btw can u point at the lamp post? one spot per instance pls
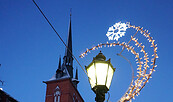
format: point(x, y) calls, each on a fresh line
point(100, 73)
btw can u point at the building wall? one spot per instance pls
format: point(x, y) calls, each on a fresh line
point(68, 92)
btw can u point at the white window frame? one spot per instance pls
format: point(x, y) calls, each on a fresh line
point(57, 94)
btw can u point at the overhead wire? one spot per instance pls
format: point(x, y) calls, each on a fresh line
point(59, 36)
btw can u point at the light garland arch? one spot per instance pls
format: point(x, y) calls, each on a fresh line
point(142, 77)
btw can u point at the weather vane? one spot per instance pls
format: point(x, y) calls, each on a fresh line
point(146, 61)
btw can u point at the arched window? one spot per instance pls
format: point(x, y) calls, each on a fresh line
point(57, 94)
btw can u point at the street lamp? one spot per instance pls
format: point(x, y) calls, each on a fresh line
point(100, 73)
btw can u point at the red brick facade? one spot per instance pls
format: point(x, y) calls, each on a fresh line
point(68, 92)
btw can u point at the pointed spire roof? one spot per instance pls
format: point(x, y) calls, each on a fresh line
point(76, 77)
point(75, 80)
point(69, 41)
point(59, 66)
point(68, 58)
point(59, 71)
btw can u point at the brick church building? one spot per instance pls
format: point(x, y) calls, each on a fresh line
point(62, 87)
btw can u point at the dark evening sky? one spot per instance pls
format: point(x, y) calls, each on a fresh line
point(30, 49)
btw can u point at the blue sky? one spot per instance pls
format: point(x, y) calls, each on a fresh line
point(30, 49)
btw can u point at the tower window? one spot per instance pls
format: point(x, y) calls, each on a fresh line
point(57, 94)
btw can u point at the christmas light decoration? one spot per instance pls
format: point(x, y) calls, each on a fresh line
point(117, 30)
point(144, 69)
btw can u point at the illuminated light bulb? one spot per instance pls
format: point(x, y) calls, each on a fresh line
point(153, 41)
point(137, 56)
point(139, 83)
point(110, 45)
point(127, 97)
point(133, 97)
point(143, 46)
point(157, 56)
point(144, 79)
point(152, 64)
point(141, 32)
point(154, 70)
point(138, 68)
point(138, 72)
point(139, 65)
point(153, 55)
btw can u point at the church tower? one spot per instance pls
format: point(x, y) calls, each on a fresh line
point(62, 87)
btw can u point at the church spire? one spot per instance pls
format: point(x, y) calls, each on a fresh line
point(68, 50)
point(59, 66)
point(68, 58)
point(59, 72)
point(76, 77)
point(75, 80)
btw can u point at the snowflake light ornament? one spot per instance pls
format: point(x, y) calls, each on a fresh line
point(145, 61)
point(117, 30)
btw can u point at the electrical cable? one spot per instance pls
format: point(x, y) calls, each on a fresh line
point(59, 36)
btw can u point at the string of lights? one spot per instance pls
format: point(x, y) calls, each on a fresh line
point(142, 77)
